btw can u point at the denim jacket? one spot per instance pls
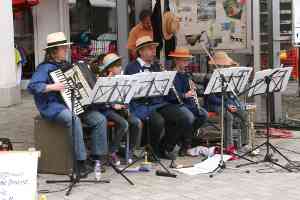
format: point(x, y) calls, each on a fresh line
point(49, 104)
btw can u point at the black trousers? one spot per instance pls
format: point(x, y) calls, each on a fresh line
point(166, 126)
point(177, 125)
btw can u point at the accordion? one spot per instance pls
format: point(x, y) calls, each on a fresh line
point(79, 78)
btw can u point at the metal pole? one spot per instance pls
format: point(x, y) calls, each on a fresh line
point(256, 53)
point(122, 16)
point(274, 51)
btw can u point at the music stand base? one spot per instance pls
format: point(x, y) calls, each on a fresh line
point(219, 169)
point(73, 181)
point(268, 157)
point(121, 172)
point(150, 152)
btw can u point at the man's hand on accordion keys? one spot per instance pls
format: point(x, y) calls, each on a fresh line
point(59, 87)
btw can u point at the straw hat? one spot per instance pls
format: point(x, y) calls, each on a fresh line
point(181, 52)
point(222, 58)
point(143, 42)
point(56, 39)
point(109, 60)
point(170, 25)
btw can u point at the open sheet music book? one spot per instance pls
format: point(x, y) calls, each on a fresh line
point(236, 80)
point(153, 84)
point(122, 88)
point(279, 80)
point(118, 89)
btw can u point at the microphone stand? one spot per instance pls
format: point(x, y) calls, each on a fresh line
point(75, 175)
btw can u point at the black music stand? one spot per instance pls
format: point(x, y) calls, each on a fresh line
point(221, 82)
point(75, 175)
point(118, 89)
point(268, 82)
point(153, 84)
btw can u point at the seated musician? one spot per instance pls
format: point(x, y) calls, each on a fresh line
point(124, 123)
point(162, 115)
point(51, 106)
point(234, 109)
point(186, 93)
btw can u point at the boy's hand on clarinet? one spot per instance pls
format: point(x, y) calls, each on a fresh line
point(189, 94)
point(232, 108)
point(118, 106)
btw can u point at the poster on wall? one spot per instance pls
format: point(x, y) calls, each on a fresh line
point(296, 23)
point(224, 21)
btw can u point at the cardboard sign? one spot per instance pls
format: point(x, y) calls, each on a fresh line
point(18, 175)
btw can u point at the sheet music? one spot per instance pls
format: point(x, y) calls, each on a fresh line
point(237, 78)
point(126, 86)
point(118, 89)
point(279, 81)
point(162, 83)
point(145, 80)
point(207, 166)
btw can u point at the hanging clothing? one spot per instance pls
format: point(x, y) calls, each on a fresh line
point(18, 58)
point(156, 20)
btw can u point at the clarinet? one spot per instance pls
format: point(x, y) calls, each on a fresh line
point(179, 100)
point(195, 96)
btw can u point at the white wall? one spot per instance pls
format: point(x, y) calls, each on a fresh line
point(7, 56)
point(49, 16)
point(9, 90)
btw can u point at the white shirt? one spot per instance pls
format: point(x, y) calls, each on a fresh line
point(145, 65)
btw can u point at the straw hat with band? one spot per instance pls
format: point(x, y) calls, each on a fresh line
point(170, 25)
point(144, 42)
point(181, 53)
point(221, 58)
point(57, 39)
point(109, 60)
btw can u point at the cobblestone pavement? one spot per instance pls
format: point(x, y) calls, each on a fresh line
point(262, 183)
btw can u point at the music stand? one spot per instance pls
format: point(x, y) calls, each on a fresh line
point(154, 84)
point(267, 82)
point(75, 175)
point(225, 80)
point(118, 89)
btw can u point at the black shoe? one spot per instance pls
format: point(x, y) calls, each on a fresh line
point(84, 170)
point(168, 155)
point(182, 152)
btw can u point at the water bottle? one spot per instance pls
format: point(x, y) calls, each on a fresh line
point(97, 170)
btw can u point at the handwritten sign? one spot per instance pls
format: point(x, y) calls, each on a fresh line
point(18, 175)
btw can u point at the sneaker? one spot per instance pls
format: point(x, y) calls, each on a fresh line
point(91, 164)
point(130, 157)
point(115, 159)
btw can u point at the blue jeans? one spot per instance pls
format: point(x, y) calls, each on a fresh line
point(93, 119)
point(194, 121)
point(132, 124)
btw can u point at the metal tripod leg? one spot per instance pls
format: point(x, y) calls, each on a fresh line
point(118, 171)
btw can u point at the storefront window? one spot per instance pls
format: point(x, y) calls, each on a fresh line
point(93, 29)
point(24, 43)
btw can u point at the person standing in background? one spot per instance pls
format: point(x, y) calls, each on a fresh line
point(143, 28)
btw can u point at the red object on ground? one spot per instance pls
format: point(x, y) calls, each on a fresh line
point(279, 133)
